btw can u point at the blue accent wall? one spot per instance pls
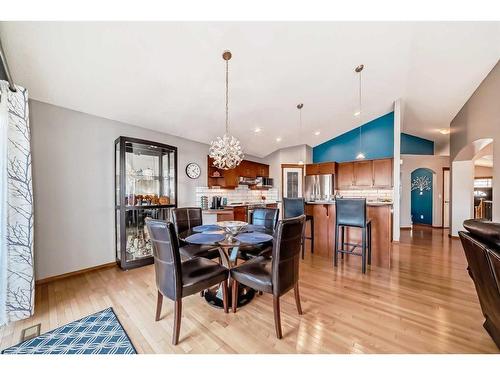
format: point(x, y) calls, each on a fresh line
point(421, 201)
point(377, 138)
point(411, 144)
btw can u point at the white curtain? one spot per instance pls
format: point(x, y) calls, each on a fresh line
point(16, 210)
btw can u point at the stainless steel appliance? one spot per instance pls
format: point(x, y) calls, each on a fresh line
point(264, 182)
point(319, 187)
point(216, 203)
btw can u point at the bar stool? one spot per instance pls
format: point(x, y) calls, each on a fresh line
point(351, 212)
point(293, 207)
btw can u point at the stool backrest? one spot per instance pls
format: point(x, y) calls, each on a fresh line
point(268, 217)
point(350, 212)
point(293, 207)
point(167, 258)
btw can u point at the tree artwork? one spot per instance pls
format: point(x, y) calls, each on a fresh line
point(421, 183)
point(19, 300)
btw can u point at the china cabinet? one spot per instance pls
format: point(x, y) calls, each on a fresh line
point(145, 186)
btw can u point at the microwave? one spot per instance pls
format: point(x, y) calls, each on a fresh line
point(265, 182)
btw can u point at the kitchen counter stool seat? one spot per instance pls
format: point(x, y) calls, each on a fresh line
point(293, 207)
point(351, 212)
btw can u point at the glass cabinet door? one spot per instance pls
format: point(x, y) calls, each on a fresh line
point(145, 186)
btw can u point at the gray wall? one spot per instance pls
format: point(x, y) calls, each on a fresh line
point(479, 118)
point(73, 185)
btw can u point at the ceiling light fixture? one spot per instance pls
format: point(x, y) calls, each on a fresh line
point(226, 151)
point(317, 132)
point(278, 139)
point(299, 107)
point(445, 131)
point(360, 154)
point(257, 130)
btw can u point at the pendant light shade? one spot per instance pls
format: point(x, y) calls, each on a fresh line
point(226, 151)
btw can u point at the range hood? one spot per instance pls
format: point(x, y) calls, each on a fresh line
point(248, 181)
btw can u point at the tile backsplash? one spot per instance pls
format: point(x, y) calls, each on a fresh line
point(369, 194)
point(240, 194)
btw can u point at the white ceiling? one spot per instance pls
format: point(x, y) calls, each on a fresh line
point(170, 76)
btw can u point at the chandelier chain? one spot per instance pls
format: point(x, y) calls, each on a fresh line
point(227, 96)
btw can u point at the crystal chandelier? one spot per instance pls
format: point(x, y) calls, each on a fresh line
point(226, 151)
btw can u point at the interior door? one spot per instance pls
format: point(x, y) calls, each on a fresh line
point(446, 198)
point(292, 182)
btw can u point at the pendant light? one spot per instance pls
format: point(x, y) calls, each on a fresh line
point(299, 107)
point(360, 155)
point(226, 151)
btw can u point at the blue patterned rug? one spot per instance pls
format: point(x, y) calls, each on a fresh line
point(99, 333)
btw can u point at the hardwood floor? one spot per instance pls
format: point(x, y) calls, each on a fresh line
point(425, 304)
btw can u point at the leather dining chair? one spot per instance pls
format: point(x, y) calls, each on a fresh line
point(176, 279)
point(278, 274)
point(267, 217)
point(186, 218)
point(293, 207)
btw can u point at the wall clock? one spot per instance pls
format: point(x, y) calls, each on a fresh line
point(193, 170)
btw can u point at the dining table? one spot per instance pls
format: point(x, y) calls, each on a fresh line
point(229, 248)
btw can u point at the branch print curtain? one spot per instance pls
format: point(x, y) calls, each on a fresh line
point(16, 200)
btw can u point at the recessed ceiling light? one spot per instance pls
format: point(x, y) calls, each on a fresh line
point(445, 131)
point(357, 113)
point(278, 139)
point(317, 132)
point(257, 130)
point(360, 156)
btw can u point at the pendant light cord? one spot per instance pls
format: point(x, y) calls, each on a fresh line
point(227, 96)
point(361, 123)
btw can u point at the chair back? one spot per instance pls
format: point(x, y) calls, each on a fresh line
point(167, 258)
point(286, 254)
point(186, 218)
point(350, 212)
point(293, 207)
point(268, 217)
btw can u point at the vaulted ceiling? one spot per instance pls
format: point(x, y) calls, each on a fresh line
point(169, 76)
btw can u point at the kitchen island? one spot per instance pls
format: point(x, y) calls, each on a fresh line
point(380, 214)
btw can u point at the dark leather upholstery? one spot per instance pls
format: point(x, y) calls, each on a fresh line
point(293, 207)
point(256, 273)
point(176, 279)
point(268, 217)
point(186, 218)
point(483, 257)
point(351, 212)
point(279, 274)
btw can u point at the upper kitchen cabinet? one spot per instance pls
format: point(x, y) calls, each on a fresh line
point(345, 175)
point(363, 173)
point(382, 173)
point(229, 179)
point(321, 168)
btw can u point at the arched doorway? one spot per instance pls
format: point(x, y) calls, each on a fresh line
point(421, 196)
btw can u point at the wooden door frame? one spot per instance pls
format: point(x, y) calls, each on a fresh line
point(442, 196)
point(283, 166)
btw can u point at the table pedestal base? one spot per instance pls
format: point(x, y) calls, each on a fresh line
point(214, 296)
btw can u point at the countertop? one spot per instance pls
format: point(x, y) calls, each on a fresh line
point(367, 203)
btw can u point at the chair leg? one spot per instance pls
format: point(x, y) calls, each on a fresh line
point(277, 316)
point(363, 251)
point(297, 298)
point(177, 321)
point(370, 244)
point(234, 295)
point(342, 240)
point(159, 302)
point(224, 295)
point(260, 292)
point(312, 235)
point(335, 246)
point(202, 293)
point(303, 244)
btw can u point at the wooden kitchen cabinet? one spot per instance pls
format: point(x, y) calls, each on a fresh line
point(363, 173)
point(229, 179)
point(321, 168)
point(240, 213)
point(312, 169)
point(345, 175)
point(382, 173)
